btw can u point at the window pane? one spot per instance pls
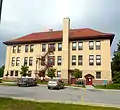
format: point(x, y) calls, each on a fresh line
point(73, 60)
point(16, 73)
point(91, 60)
point(80, 45)
point(98, 75)
point(13, 61)
point(91, 45)
point(80, 59)
point(43, 47)
point(30, 61)
point(25, 61)
point(98, 45)
point(59, 60)
point(17, 61)
point(98, 59)
point(73, 45)
point(26, 48)
point(59, 46)
point(51, 60)
point(19, 49)
point(31, 48)
point(14, 49)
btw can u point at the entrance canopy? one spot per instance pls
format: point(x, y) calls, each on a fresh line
point(89, 76)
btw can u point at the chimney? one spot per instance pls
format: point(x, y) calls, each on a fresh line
point(65, 48)
point(66, 28)
point(50, 30)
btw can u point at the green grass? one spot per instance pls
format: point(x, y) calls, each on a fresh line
point(6, 84)
point(11, 104)
point(9, 80)
point(109, 86)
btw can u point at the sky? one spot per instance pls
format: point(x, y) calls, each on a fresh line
point(21, 17)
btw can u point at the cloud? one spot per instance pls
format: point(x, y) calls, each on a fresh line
point(20, 17)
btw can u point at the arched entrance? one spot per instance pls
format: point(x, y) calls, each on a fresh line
point(89, 79)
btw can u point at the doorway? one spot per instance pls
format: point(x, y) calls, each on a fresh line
point(89, 79)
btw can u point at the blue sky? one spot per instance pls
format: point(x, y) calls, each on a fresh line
point(20, 17)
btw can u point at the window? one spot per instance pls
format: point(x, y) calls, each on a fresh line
point(58, 74)
point(59, 60)
point(73, 45)
point(14, 49)
point(91, 59)
point(16, 73)
point(17, 61)
point(98, 59)
point(26, 48)
point(25, 61)
point(52, 46)
point(98, 75)
point(13, 61)
point(73, 60)
point(31, 48)
point(30, 61)
point(80, 45)
point(51, 60)
point(91, 45)
point(11, 73)
point(98, 45)
point(19, 49)
point(43, 47)
point(80, 60)
point(29, 73)
point(59, 46)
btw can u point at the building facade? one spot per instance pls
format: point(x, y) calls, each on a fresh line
point(84, 49)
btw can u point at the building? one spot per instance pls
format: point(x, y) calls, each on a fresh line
point(85, 49)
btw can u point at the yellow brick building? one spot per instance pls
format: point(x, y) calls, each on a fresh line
point(85, 49)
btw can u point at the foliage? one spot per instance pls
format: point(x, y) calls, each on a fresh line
point(116, 65)
point(24, 70)
point(116, 78)
point(51, 72)
point(77, 73)
point(2, 71)
point(108, 86)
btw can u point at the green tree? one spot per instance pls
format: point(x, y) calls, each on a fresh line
point(24, 70)
point(2, 71)
point(77, 73)
point(51, 72)
point(116, 65)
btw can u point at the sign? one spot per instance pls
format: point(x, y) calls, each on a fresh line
point(105, 82)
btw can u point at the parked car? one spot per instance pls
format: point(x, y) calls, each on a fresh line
point(55, 83)
point(26, 82)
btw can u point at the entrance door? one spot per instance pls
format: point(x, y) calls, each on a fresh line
point(88, 81)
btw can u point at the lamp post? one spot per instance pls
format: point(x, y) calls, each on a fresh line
point(1, 1)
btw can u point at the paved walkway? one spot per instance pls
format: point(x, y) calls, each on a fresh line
point(89, 87)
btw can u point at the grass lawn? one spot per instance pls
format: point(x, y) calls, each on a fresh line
point(7, 84)
point(11, 104)
point(109, 86)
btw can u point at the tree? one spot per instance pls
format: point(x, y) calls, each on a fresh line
point(77, 73)
point(2, 71)
point(116, 65)
point(51, 72)
point(24, 70)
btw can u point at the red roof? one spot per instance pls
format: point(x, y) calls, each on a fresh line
point(75, 34)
